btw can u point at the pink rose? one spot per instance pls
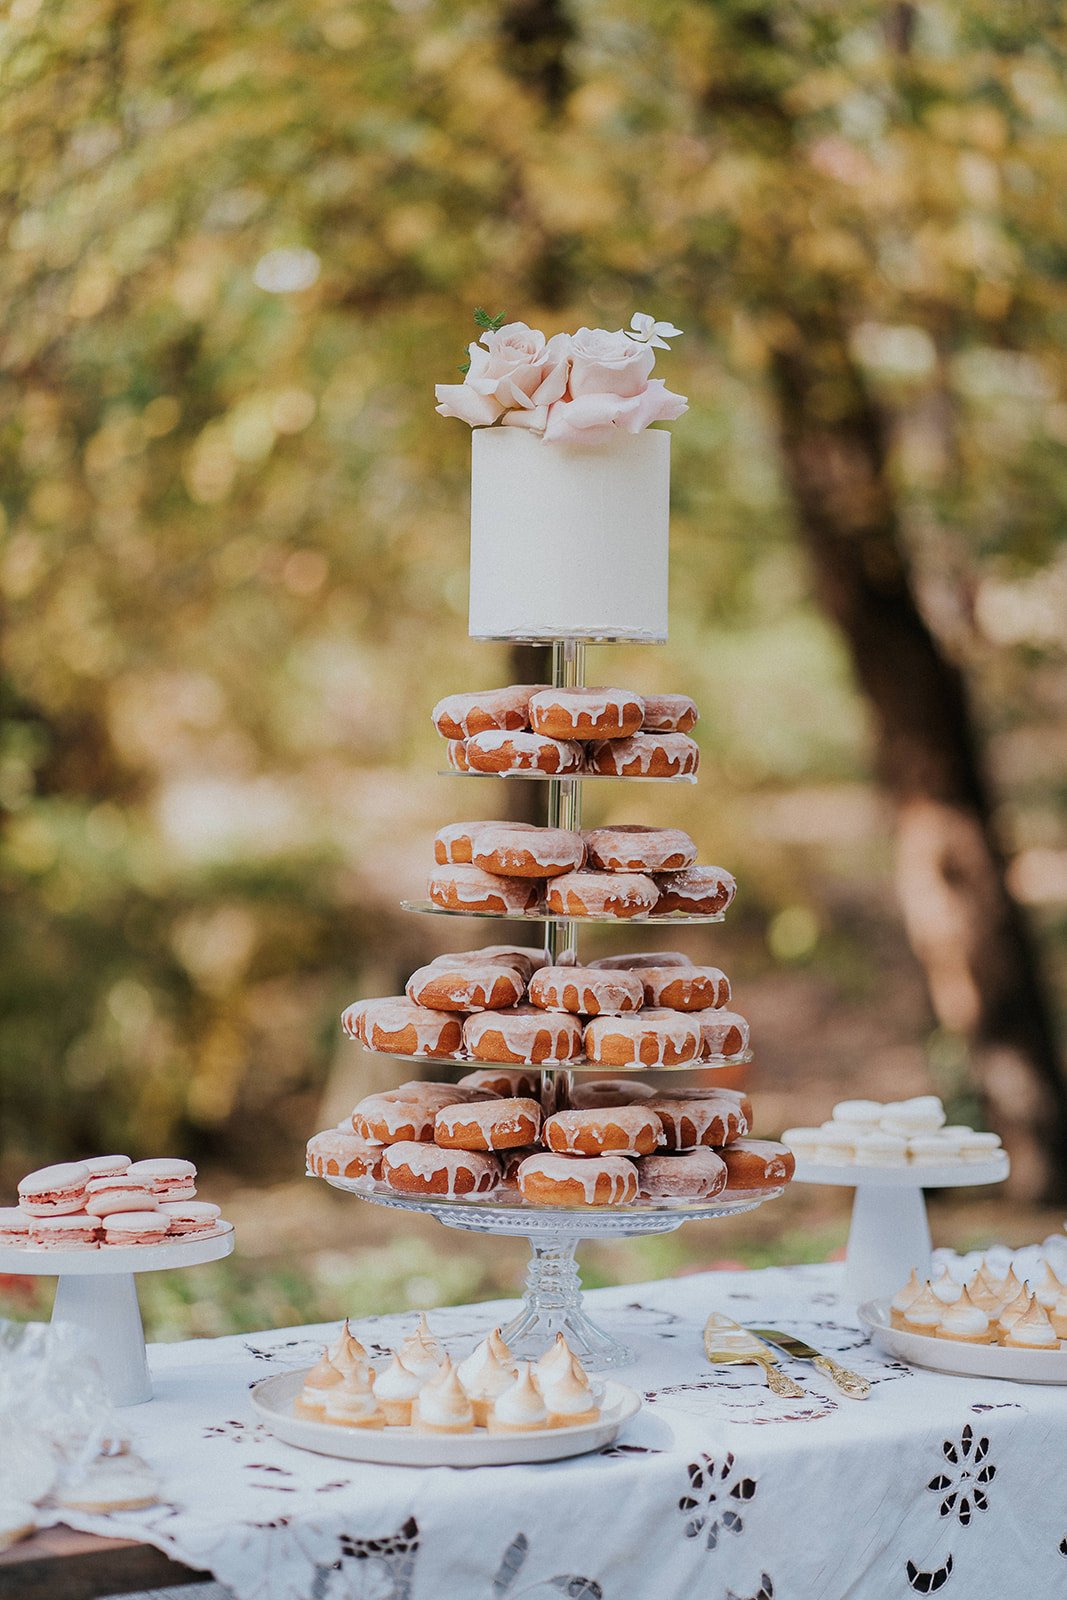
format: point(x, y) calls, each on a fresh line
point(608, 363)
point(512, 370)
point(598, 417)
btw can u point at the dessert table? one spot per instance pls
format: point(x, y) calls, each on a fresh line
point(718, 1487)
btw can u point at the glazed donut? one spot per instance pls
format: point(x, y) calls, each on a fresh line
point(597, 1094)
point(649, 958)
point(457, 716)
point(547, 1180)
point(757, 1164)
point(646, 755)
point(688, 1123)
point(521, 752)
point(471, 889)
point(429, 1169)
point(507, 1082)
point(519, 851)
point(396, 1026)
point(456, 754)
point(340, 1153)
point(387, 1119)
point(666, 1039)
point(437, 1094)
point(736, 1097)
point(466, 986)
point(586, 713)
point(615, 1130)
point(690, 1175)
point(602, 894)
point(722, 1033)
point(526, 958)
point(702, 891)
point(585, 990)
point(670, 713)
point(683, 988)
point(495, 1125)
point(524, 1034)
point(454, 844)
point(632, 848)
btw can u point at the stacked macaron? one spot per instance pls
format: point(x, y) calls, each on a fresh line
point(868, 1133)
point(108, 1200)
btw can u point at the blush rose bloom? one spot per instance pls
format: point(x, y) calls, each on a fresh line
point(610, 391)
point(513, 370)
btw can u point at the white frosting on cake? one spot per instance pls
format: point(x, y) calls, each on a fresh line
point(569, 541)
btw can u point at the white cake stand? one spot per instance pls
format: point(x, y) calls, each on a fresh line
point(97, 1295)
point(889, 1233)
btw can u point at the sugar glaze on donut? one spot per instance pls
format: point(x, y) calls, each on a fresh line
point(703, 891)
point(518, 850)
point(631, 847)
point(471, 889)
point(583, 713)
point(602, 894)
point(428, 1169)
point(615, 1130)
point(586, 990)
point(685, 988)
point(664, 1039)
point(646, 755)
point(492, 1125)
point(523, 1034)
point(466, 986)
point(670, 713)
point(548, 1180)
point(522, 752)
point(458, 716)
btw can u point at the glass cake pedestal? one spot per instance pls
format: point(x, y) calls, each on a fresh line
point(552, 1299)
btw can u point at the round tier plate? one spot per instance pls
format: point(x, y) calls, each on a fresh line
point(29, 1261)
point(667, 919)
point(272, 1400)
point(500, 1213)
point(966, 1360)
point(711, 1063)
point(569, 777)
point(590, 636)
point(948, 1175)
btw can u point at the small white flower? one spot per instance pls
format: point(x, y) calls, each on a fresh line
point(644, 329)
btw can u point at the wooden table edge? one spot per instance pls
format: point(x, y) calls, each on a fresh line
point(62, 1564)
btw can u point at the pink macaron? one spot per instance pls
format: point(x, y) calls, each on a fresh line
point(167, 1178)
point(105, 1166)
point(136, 1227)
point(73, 1231)
point(106, 1196)
point(14, 1225)
point(192, 1216)
point(53, 1191)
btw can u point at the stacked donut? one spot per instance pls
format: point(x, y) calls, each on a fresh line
point(620, 1142)
point(505, 1004)
point(530, 727)
point(509, 868)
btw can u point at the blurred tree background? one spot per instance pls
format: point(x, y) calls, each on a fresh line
point(242, 242)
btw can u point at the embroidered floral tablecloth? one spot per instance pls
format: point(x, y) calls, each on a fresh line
point(717, 1489)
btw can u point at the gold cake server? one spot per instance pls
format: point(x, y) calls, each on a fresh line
point(849, 1383)
point(726, 1341)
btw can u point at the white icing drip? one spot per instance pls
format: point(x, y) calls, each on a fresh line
point(575, 707)
point(470, 886)
point(567, 1131)
point(639, 849)
point(425, 1162)
point(670, 713)
point(500, 1118)
point(691, 988)
point(634, 757)
point(547, 850)
point(692, 886)
point(586, 989)
point(470, 986)
point(690, 1122)
point(588, 1172)
point(666, 1039)
point(526, 1031)
point(525, 752)
point(460, 715)
point(602, 893)
point(723, 1033)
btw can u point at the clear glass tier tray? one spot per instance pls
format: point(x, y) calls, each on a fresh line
point(665, 920)
point(552, 1301)
point(570, 777)
point(579, 1065)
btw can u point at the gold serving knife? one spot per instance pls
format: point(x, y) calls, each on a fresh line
point(849, 1383)
point(726, 1341)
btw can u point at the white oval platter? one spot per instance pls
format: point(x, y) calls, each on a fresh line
point(964, 1360)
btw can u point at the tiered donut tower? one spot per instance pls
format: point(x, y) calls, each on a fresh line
point(600, 516)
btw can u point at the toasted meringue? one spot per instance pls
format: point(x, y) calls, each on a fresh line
point(346, 1350)
point(1046, 1288)
point(924, 1313)
point(395, 1390)
point(555, 1359)
point(966, 1322)
point(421, 1353)
point(903, 1298)
point(1010, 1313)
point(322, 1377)
point(569, 1398)
point(521, 1408)
point(442, 1405)
point(946, 1288)
point(1058, 1316)
point(984, 1290)
point(501, 1349)
point(1032, 1331)
point(351, 1403)
point(485, 1376)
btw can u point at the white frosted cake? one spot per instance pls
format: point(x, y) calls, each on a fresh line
point(569, 540)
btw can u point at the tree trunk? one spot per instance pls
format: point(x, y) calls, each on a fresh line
point(963, 923)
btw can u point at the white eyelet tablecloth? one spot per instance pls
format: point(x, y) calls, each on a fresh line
point(717, 1489)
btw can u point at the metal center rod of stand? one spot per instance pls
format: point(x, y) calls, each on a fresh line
point(564, 811)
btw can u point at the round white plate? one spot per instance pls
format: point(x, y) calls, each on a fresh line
point(949, 1175)
point(966, 1360)
point(272, 1400)
point(30, 1261)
